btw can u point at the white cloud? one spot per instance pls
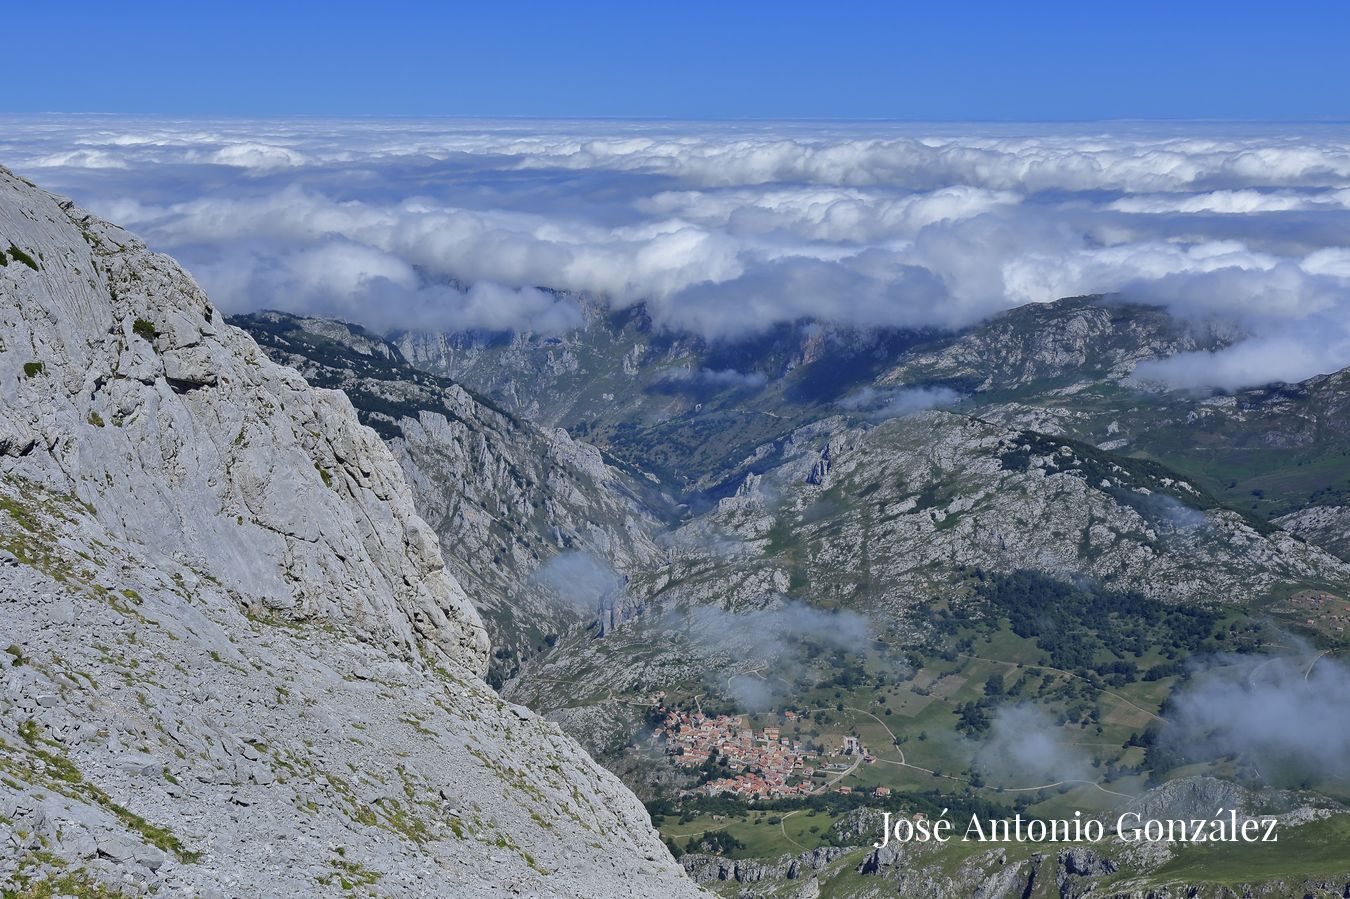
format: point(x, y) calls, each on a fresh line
point(727, 229)
point(844, 215)
point(80, 159)
point(252, 155)
point(1229, 202)
point(897, 403)
point(1333, 261)
point(714, 379)
point(1288, 357)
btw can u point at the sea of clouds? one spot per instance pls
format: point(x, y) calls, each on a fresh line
point(724, 229)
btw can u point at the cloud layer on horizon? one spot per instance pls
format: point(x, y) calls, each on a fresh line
point(726, 229)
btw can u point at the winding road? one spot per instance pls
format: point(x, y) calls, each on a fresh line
point(1104, 692)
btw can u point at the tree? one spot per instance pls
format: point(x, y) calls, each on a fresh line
point(719, 842)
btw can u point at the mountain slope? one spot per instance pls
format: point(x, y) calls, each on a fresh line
point(672, 406)
point(1271, 451)
point(124, 382)
point(236, 662)
point(858, 502)
point(1076, 339)
point(504, 495)
point(890, 520)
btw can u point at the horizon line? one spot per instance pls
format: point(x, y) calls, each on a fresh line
point(491, 117)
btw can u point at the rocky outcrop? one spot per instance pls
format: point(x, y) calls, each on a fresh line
point(123, 386)
point(237, 664)
point(1325, 526)
point(1274, 451)
point(504, 496)
point(1073, 339)
point(922, 494)
point(803, 866)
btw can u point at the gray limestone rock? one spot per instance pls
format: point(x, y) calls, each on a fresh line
point(247, 670)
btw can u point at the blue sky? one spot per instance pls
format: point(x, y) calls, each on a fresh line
point(944, 61)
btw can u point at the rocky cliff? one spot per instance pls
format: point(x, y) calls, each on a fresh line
point(504, 495)
point(237, 664)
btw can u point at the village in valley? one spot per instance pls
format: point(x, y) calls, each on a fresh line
point(765, 764)
point(1320, 611)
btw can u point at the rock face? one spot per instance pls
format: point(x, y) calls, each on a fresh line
point(504, 496)
point(803, 866)
point(237, 664)
point(1326, 526)
point(124, 387)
